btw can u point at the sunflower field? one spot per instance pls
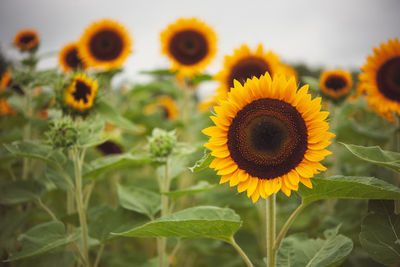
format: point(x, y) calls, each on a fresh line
point(282, 165)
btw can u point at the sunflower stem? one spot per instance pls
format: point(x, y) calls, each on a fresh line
point(287, 224)
point(241, 252)
point(271, 219)
point(27, 132)
point(164, 211)
point(78, 161)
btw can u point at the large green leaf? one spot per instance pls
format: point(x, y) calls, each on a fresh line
point(91, 133)
point(201, 186)
point(349, 187)
point(139, 200)
point(20, 192)
point(111, 115)
point(103, 164)
point(202, 163)
point(41, 239)
point(380, 232)
point(36, 150)
point(376, 155)
point(298, 250)
point(103, 220)
point(197, 222)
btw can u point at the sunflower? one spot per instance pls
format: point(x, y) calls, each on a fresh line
point(5, 80)
point(268, 136)
point(380, 79)
point(81, 92)
point(167, 106)
point(289, 71)
point(105, 44)
point(5, 109)
point(335, 83)
point(69, 59)
point(244, 64)
point(109, 148)
point(26, 40)
point(190, 44)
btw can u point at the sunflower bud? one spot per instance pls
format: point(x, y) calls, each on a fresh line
point(162, 143)
point(63, 133)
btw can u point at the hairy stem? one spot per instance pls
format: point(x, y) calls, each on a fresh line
point(241, 253)
point(164, 212)
point(287, 224)
point(271, 219)
point(47, 209)
point(78, 160)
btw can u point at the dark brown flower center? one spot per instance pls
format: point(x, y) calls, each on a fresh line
point(267, 138)
point(335, 82)
point(388, 79)
point(72, 59)
point(109, 147)
point(106, 45)
point(246, 69)
point(27, 38)
point(82, 90)
point(188, 47)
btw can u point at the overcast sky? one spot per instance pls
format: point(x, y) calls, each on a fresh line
point(335, 33)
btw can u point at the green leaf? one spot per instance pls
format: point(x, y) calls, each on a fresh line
point(36, 150)
point(376, 155)
point(202, 163)
point(112, 116)
point(380, 232)
point(159, 72)
point(103, 220)
point(20, 192)
point(139, 200)
point(298, 250)
point(197, 222)
point(42, 239)
point(201, 186)
point(91, 133)
point(353, 187)
point(199, 78)
point(104, 164)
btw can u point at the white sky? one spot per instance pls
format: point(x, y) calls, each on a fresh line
point(339, 33)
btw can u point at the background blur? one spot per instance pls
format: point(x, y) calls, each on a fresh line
point(338, 33)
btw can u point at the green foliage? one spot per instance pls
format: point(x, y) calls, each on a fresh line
point(201, 186)
point(197, 222)
point(202, 163)
point(41, 239)
point(348, 187)
point(298, 250)
point(380, 232)
point(140, 200)
point(376, 155)
point(20, 192)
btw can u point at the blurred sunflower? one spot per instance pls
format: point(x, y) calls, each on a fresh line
point(5, 109)
point(289, 71)
point(26, 40)
point(268, 136)
point(380, 79)
point(109, 148)
point(69, 59)
point(166, 104)
point(245, 64)
point(190, 44)
point(335, 83)
point(105, 44)
point(6, 81)
point(81, 92)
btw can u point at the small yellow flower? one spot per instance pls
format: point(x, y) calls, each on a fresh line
point(105, 44)
point(190, 44)
point(26, 39)
point(69, 59)
point(335, 83)
point(81, 92)
point(380, 79)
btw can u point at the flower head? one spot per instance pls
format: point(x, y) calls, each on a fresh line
point(26, 40)
point(268, 136)
point(80, 94)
